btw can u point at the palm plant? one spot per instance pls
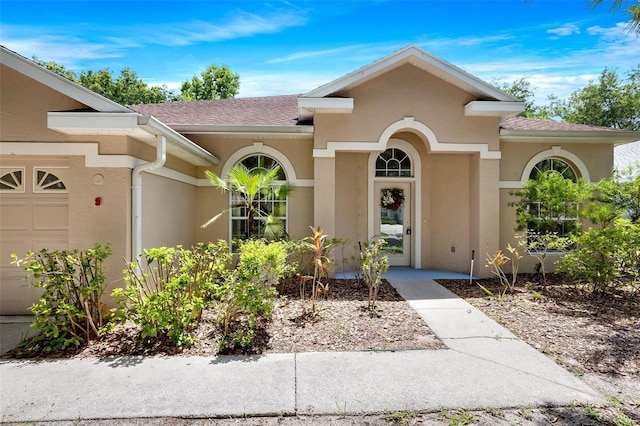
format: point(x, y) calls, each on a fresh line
point(253, 190)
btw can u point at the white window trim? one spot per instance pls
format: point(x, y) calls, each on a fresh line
point(554, 152)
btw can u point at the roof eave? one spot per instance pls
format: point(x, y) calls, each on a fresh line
point(132, 124)
point(502, 109)
point(417, 57)
point(247, 131)
point(59, 83)
point(569, 136)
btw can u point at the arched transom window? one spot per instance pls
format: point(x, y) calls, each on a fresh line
point(393, 162)
point(554, 165)
point(267, 205)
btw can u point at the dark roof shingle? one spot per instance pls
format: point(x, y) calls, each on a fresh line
point(262, 111)
point(521, 123)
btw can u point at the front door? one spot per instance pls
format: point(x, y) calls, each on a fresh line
point(393, 220)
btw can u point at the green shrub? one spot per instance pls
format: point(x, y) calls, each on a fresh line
point(69, 312)
point(604, 255)
point(169, 287)
point(249, 291)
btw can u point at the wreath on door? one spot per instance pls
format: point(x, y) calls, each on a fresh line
point(392, 199)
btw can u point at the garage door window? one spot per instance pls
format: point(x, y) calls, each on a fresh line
point(12, 180)
point(49, 180)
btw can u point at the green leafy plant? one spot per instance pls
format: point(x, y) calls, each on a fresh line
point(69, 312)
point(249, 291)
point(374, 264)
point(602, 256)
point(169, 287)
point(250, 188)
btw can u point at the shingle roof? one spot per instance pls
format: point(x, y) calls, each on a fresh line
point(520, 123)
point(263, 111)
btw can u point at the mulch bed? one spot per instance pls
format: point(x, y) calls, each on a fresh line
point(342, 322)
point(584, 331)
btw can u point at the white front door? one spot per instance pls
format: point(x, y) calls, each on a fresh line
point(392, 216)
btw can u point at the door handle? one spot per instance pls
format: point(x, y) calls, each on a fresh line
point(408, 231)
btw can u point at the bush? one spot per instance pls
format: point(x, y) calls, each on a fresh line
point(69, 312)
point(169, 288)
point(249, 291)
point(602, 256)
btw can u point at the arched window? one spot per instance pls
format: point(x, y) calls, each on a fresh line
point(393, 163)
point(267, 205)
point(555, 165)
point(560, 219)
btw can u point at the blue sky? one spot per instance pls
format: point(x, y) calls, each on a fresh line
point(288, 47)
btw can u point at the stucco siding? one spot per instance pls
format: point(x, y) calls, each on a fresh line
point(24, 104)
point(406, 92)
point(447, 206)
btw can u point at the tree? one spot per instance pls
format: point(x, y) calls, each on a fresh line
point(609, 102)
point(215, 83)
point(521, 89)
point(549, 204)
point(632, 9)
point(126, 89)
point(249, 189)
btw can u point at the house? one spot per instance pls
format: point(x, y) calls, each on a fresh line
point(410, 147)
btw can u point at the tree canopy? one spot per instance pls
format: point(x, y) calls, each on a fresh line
point(128, 89)
point(611, 101)
point(214, 83)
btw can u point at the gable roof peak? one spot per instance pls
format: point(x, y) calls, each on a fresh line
point(420, 58)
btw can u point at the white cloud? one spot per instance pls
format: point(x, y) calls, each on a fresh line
point(565, 30)
point(241, 24)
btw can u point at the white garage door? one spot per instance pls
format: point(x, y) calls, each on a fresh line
point(34, 214)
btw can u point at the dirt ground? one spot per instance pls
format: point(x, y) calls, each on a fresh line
point(597, 337)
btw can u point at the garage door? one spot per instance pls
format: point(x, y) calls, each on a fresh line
point(34, 214)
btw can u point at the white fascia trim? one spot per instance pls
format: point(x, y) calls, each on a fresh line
point(129, 124)
point(500, 109)
point(307, 107)
point(107, 123)
point(59, 83)
point(246, 131)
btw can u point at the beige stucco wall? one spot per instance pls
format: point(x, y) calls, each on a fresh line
point(168, 212)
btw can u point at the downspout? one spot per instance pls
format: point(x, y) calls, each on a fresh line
point(136, 194)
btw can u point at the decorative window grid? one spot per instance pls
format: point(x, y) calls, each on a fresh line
point(393, 163)
point(49, 179)
point(12, 179)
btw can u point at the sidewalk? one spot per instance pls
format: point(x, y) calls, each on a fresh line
point(485, 367)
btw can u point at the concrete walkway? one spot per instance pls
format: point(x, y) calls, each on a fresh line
point(485, 367)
